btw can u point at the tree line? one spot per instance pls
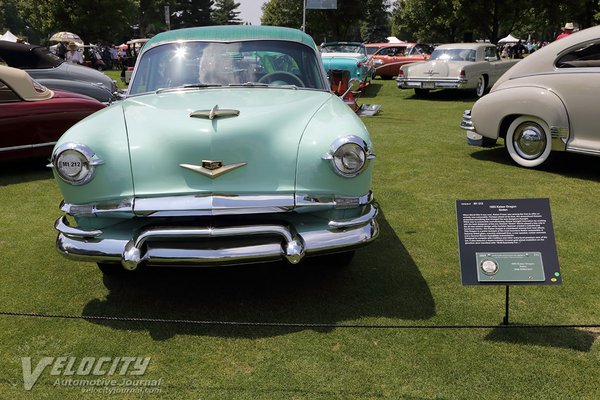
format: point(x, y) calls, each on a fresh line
point(433, 21)
point(110, 21)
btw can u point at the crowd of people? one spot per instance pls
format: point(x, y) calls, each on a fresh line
point(100, 57)
point(520, 48)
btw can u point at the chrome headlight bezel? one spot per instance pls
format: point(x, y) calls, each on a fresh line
point(76, 155)
point(344, 148)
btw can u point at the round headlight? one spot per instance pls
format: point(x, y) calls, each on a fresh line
point(349, 156)
point(74, 163)
point(349, 159)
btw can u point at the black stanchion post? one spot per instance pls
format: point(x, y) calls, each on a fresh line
point(505, 321)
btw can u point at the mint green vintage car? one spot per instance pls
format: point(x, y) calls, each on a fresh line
point(229, 148)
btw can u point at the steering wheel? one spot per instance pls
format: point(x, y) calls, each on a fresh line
point(282, 76)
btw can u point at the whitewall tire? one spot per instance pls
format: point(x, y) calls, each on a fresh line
point(481, 86)
point(528, 141)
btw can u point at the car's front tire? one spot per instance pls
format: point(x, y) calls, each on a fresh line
point(528, 141)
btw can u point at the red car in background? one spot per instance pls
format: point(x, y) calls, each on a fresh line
point(389, 57)
point(33, 117)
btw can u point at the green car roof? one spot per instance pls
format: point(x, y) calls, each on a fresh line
point(232, 33)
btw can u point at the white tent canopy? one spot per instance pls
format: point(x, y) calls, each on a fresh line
point(509, 39)
point(394, 39)
point(9, 37)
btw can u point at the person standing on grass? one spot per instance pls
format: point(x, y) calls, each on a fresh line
point(567, 30)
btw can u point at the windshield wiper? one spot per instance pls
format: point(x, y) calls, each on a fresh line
point(249, 84)
point(189, 86)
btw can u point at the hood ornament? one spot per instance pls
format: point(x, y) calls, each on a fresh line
point(212, 168)
point(215, 112)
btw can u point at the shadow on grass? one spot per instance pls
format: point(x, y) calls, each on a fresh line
point(566, 164)
point(20, 171)
point(382, 281)
point(567, 338)
point(446, 95)
point(371, 91)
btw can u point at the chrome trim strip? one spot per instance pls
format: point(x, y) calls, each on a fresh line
point(583, 151)
point(354, 222)
point(560, 137)
point(306, 200)
point(62, 225)
point(27, 146)
point(211, 205)
point(98, 209)
point(207, 205)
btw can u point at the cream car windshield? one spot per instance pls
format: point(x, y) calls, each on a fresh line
point(453, 55)
point(264, 63)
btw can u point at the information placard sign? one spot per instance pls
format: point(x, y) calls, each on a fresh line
point(507, 242)
point(321, 4)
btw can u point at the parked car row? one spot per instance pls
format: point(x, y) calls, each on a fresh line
point(55, 73)
point(173, 175)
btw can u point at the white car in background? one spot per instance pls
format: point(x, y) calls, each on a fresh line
point(468, 66)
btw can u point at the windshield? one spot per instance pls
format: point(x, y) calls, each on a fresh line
point(453, 55)
point(29, 57)
point(248, 63)
point(342, 48)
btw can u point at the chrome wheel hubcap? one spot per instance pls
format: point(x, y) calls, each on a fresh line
point(529, 141)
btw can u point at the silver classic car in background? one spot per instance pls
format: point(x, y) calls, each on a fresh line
point(470, 66)
point(55, 73)
point(548, 102)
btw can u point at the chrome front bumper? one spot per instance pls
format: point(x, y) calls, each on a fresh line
point(473, 138)
point(217, 245)
point(408, 83)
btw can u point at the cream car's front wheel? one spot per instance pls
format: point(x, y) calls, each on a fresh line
point(528, 141)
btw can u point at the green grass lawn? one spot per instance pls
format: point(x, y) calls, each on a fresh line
point(409, 276)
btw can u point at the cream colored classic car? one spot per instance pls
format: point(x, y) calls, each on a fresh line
point(471, 66)
point(549, 101)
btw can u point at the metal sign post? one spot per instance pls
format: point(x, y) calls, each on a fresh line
point(316, 5)
point(507, 242)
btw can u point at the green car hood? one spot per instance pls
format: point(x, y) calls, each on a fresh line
point(265, 136)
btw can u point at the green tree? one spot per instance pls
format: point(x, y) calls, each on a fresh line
point(376, 24)
point(340, 24)
point(225, 13)
point(282, 13)
point(190, 13)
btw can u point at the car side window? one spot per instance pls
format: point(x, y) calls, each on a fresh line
point(7, 95)
point(490, 54)
point(584, 56)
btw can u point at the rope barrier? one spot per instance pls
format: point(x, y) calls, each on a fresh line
point(290, 324)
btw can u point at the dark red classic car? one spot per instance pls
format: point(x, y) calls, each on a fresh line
point(33, 117)
point(389, 57)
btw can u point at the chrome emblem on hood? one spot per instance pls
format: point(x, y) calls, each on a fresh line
point(212, 168)
point(214, 113)
point(431, 73)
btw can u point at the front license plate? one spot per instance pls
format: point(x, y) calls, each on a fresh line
point(428, 85)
